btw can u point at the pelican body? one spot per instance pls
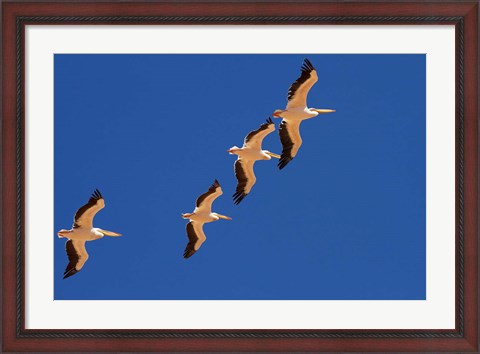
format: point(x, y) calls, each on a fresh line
point(202, 214)
point(250, 152)
point(204, 217)
point(82, 231)
point(295, 112)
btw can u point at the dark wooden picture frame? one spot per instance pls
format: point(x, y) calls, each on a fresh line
point(16, 15)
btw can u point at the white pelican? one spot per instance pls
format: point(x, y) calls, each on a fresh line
point(201, 215)
point(250, 152)
point(81, 232)
point(295, 112)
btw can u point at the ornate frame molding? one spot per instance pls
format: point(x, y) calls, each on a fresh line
point(251, 336)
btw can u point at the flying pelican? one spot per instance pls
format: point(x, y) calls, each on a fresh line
point(201, 215)
point(295, 112)
point(81, 232)
point(250, 152)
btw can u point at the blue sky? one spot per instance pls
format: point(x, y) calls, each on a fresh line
point(344, 220)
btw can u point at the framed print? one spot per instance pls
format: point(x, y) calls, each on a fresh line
point(358, 231)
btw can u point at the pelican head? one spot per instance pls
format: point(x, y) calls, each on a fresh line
point(233, 150)
point(220, 216)
point(322, 111)
point(63, 233)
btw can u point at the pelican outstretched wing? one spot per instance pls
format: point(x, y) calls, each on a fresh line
point(255, 138)
point(245, 178)
point(291, 140)
point(205, 201)
point(77, 256)
point(298, 91)
point(84, 216)
point(196, 237)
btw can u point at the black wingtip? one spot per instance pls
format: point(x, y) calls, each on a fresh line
point(284, 161)
point(96, 194)
point(269, 120)
point(69, 273)
point(188, 253)
point(307, 65)
point(238, 197)
point(215, 184)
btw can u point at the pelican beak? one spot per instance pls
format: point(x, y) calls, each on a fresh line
point(273, 155)
point(277, 113)
point(224, 217)
point(325, 110)
point(109, 233)
point(187, 215)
